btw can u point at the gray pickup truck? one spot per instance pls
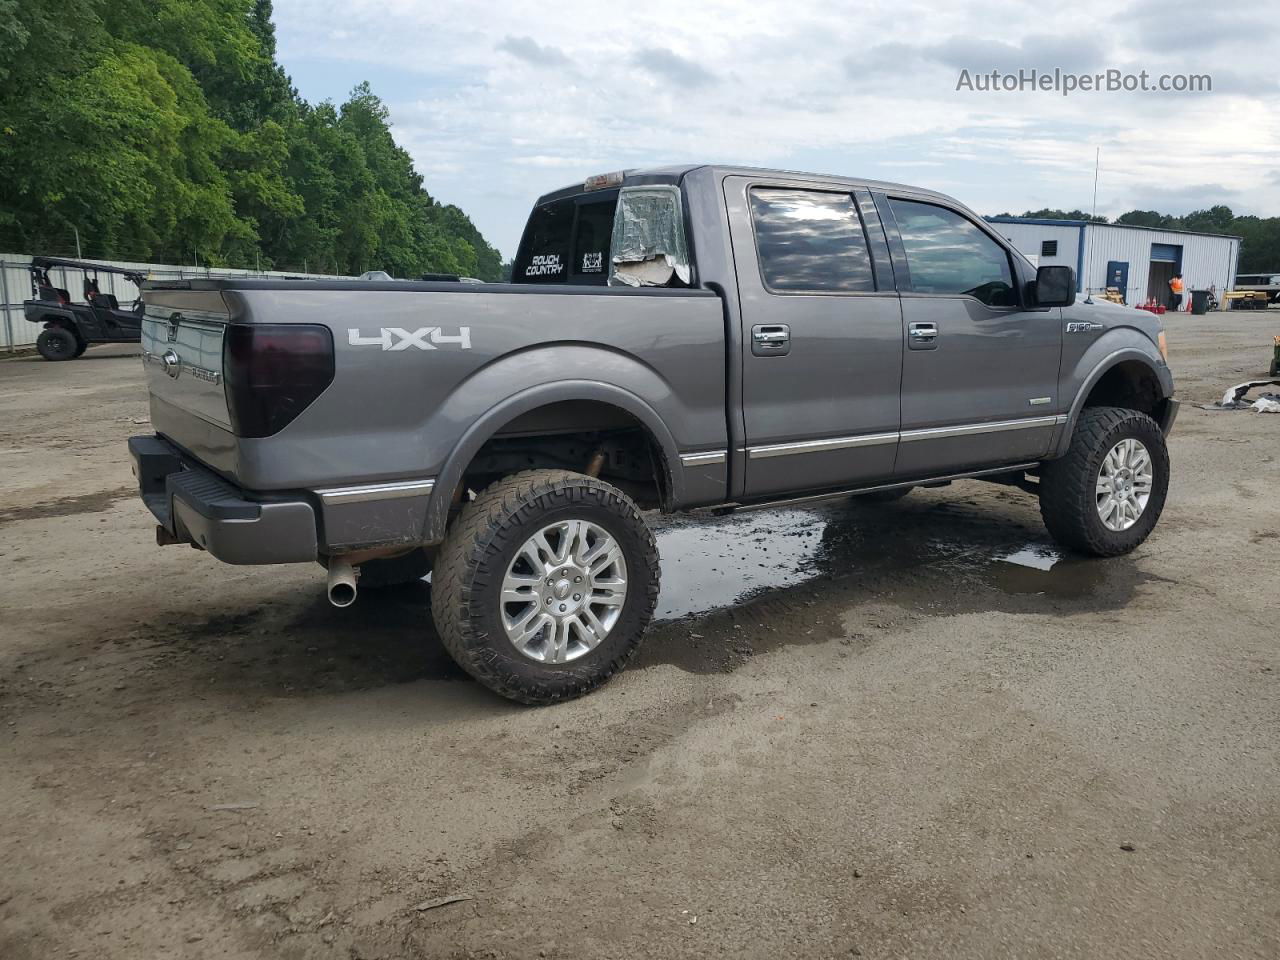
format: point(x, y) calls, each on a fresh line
point(670, 338)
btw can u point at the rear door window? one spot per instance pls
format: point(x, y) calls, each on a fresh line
point(810, 242)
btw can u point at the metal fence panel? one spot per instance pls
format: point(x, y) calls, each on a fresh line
point(17, 333)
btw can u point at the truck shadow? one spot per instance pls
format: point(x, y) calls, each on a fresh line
point(746, 585)
point(733, 587)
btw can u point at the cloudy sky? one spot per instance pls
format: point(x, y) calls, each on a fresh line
point(501, 101)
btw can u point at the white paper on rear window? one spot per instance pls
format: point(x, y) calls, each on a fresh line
point(648, 248)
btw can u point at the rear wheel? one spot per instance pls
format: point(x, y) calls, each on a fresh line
point(1105, 496)
point(58, 343)
point(545, 584)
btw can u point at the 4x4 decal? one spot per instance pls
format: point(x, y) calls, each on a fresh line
point(424, 338)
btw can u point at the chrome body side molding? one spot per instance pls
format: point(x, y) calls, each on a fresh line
point(973, 429)
point(905, 436)
point(818, 446)
point(376, 491)
point(709, 458)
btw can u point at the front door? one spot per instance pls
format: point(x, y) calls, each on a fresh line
point(1118, 277)
point(979, 372)
point(822, 337)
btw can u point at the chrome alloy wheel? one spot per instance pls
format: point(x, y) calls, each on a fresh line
point(563, 591)
point(1124, 485)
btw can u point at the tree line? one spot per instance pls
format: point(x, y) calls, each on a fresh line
point(1260, 236)
point(165, 130)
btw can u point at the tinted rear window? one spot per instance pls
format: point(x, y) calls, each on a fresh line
point(567, 241)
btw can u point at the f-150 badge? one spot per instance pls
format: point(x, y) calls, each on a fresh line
point(424, 338)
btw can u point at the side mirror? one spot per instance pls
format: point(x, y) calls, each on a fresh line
point(1055, 286)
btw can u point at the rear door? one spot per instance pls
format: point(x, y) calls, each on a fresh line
point(822, 336)
point(979, 371)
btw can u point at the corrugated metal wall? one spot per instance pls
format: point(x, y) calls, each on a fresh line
point(15, 286)
point(1207, 261)
point(1028, 238)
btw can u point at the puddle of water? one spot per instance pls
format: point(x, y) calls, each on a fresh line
point(1042, 569)
point(720, 561)
point(1034, 556)
point(712, 563)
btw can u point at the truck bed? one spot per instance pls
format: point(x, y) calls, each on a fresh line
point(423, 372)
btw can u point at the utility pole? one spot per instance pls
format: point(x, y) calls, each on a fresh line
point(1097, 161)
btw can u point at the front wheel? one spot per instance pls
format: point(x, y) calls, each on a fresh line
point(1105, 496)
point(545, 584)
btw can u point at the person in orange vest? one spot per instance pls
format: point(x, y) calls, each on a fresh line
point(1175, 292)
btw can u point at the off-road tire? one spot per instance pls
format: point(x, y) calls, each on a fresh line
point(81, 347)
point(1068, 497)
point(395, 571)
point(474, 558)
point(57, 343)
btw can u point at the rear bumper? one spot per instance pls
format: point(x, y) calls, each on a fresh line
point(195, 505)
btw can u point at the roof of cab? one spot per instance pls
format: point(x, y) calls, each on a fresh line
point(676, 173)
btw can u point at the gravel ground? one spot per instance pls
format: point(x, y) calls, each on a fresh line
point(855, 731)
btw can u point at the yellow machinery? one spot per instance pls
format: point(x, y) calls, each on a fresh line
point(1245, 299)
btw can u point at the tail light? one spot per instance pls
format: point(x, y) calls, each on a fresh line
point(272, 372)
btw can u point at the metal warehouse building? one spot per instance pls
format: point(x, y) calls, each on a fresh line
point(1137, 260)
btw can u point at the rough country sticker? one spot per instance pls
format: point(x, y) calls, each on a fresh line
point(544, 265)
point(424, 338)
point(592, 262)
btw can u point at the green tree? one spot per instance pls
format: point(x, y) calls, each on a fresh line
point(165, 129)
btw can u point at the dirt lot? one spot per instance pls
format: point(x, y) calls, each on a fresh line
point(856, 731)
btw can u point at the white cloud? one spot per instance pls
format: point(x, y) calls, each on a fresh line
point(500, 107)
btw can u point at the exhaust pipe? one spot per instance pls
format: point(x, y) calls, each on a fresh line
point(342, 583)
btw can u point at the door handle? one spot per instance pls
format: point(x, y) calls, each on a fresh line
point(923, 332)
point(770, 340)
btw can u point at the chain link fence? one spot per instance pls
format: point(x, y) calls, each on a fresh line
point(17, 333)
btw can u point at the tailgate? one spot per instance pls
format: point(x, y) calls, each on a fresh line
point(182, 333)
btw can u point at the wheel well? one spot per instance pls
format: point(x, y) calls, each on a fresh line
point(587, 436)
point(54, 321)
point(1132, 385)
